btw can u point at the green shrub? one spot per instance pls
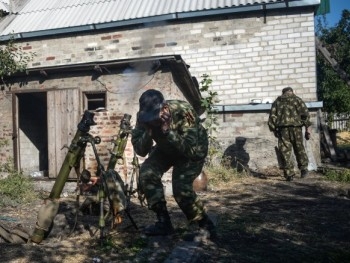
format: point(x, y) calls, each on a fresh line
point(221, 174)
point(16, 188)
point(209, 98)
point(342, 176)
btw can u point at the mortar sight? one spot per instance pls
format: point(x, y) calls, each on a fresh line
point(86, 121)
point(125, 122)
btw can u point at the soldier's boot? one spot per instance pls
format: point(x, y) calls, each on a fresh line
point(207, 224)
point(163, 226)
point(289, 177)
point(206, 230)
point(304, 173)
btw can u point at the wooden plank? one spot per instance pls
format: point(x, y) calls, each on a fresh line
point(51, 134)
point(58, 127)
point(329, 143)
point(72, 103)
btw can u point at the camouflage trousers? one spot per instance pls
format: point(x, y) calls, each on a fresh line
point(291, 139)
point(183, 174)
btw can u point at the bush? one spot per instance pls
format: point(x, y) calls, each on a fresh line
point(221, 174)
point(16, 188)
point(342, 176)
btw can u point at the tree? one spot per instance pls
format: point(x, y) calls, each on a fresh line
point(13, 59)
point(331, 88)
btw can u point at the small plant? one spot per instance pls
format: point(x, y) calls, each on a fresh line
point(3, 143)
point(16, 188)
point(219, 174)
point(342, 176)
point(126, 248)
point(209, 98)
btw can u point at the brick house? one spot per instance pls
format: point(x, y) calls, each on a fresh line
point(104, 54)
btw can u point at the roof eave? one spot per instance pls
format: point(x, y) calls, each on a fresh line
point(179, 69)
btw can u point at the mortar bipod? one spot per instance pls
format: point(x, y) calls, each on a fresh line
point(111, 186)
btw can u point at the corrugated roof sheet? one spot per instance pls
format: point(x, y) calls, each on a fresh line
point(38, 15)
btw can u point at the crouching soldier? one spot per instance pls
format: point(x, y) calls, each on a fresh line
point(181, 143)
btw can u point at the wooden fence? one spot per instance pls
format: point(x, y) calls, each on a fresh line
point(340, 122)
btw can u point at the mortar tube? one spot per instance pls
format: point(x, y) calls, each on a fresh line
point(49, 209)
point(46, 215)
point(70, 161)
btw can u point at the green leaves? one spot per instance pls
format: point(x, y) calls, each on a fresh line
point(331, 88)
point(209, 98)
point(13, 59)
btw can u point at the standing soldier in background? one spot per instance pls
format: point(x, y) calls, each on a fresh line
point(287, 117)
point(181, 143)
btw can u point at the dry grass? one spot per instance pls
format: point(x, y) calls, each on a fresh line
point(343, 139)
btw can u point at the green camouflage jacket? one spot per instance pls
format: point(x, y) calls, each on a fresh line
point(288, 111)
point(187, 137)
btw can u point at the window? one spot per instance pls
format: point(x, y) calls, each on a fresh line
point(95, 100)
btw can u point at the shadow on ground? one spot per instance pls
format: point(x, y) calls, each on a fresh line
point(258, 220)
point(278, 221)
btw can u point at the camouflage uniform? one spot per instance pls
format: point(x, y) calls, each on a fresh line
point(287, 117)
point(184, 148)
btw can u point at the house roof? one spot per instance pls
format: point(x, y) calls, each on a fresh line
point(52, 17)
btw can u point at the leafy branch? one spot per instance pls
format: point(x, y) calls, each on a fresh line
point(13, 59)
point(209, 98)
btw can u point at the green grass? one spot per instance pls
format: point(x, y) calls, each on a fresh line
point(342, 176)
point(16, 188)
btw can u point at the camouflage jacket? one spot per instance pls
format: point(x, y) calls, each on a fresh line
point(288, 111)
point(187, 137)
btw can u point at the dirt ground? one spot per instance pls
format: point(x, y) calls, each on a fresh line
point(263, 219)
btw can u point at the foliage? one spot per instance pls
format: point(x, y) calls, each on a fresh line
point(13, 59)
point(3, 13)
point(342, 176)
point(3, 143)
point(209, 98)
point(222, 174)
point(15, 188)
point(127, 251)
point(331, 89)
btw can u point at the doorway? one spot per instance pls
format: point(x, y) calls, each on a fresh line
point(32, 133)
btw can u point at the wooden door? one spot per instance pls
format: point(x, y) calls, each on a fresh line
point(63, 117)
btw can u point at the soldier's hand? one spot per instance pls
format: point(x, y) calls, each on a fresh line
point(307, 135)
point(165, 118)
point(143, 125)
